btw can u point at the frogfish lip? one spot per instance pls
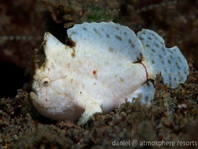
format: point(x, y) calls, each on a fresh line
point(35, 99)
point(33, 96)
point(38, 102)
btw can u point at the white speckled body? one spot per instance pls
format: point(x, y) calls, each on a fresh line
point(97, 74)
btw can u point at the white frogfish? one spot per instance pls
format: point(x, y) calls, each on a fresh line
point(106, 65)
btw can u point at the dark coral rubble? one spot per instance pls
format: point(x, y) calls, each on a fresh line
point(173, 114)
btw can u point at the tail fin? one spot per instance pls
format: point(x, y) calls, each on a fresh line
point(169, 62)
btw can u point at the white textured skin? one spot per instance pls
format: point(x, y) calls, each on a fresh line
point(96, 75)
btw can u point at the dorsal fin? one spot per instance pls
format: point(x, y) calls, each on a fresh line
point(109, 36)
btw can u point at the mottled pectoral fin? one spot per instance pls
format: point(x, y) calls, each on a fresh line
point(145, 93)
point(90, 110)
point(148, 92)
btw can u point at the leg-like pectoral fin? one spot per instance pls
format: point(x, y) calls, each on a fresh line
point(90, 109)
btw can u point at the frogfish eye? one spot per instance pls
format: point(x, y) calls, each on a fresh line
point(45, 81)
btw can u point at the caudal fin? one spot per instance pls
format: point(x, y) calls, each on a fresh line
point(169, 62)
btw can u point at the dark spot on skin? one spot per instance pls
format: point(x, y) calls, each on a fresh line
point(152, 61)
point(165, 70)
point(118, 37)
point(96, 31)
point(147, 45)
point(156, 45)
point(125, 33)
point(141, 38)
point(170, 78)
point(177, 65)
point(80, 92)
point(117, 28)
point(73, 33)
point(175, 79)
point(163, 49)
point(160, 56)
point(107, 35)
point(121, 79)
point(162, 62)
point(169, 61)
point(130, 41)
point(149, 38)
point(152, 34)
point(171, 51)
point(155, 38)
point(179, 73)
point(132, 45)
point(179, 58)
point(146, 98)
point(84, 29)
point(110, 49)
point(185, 72)
point(153, 50)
